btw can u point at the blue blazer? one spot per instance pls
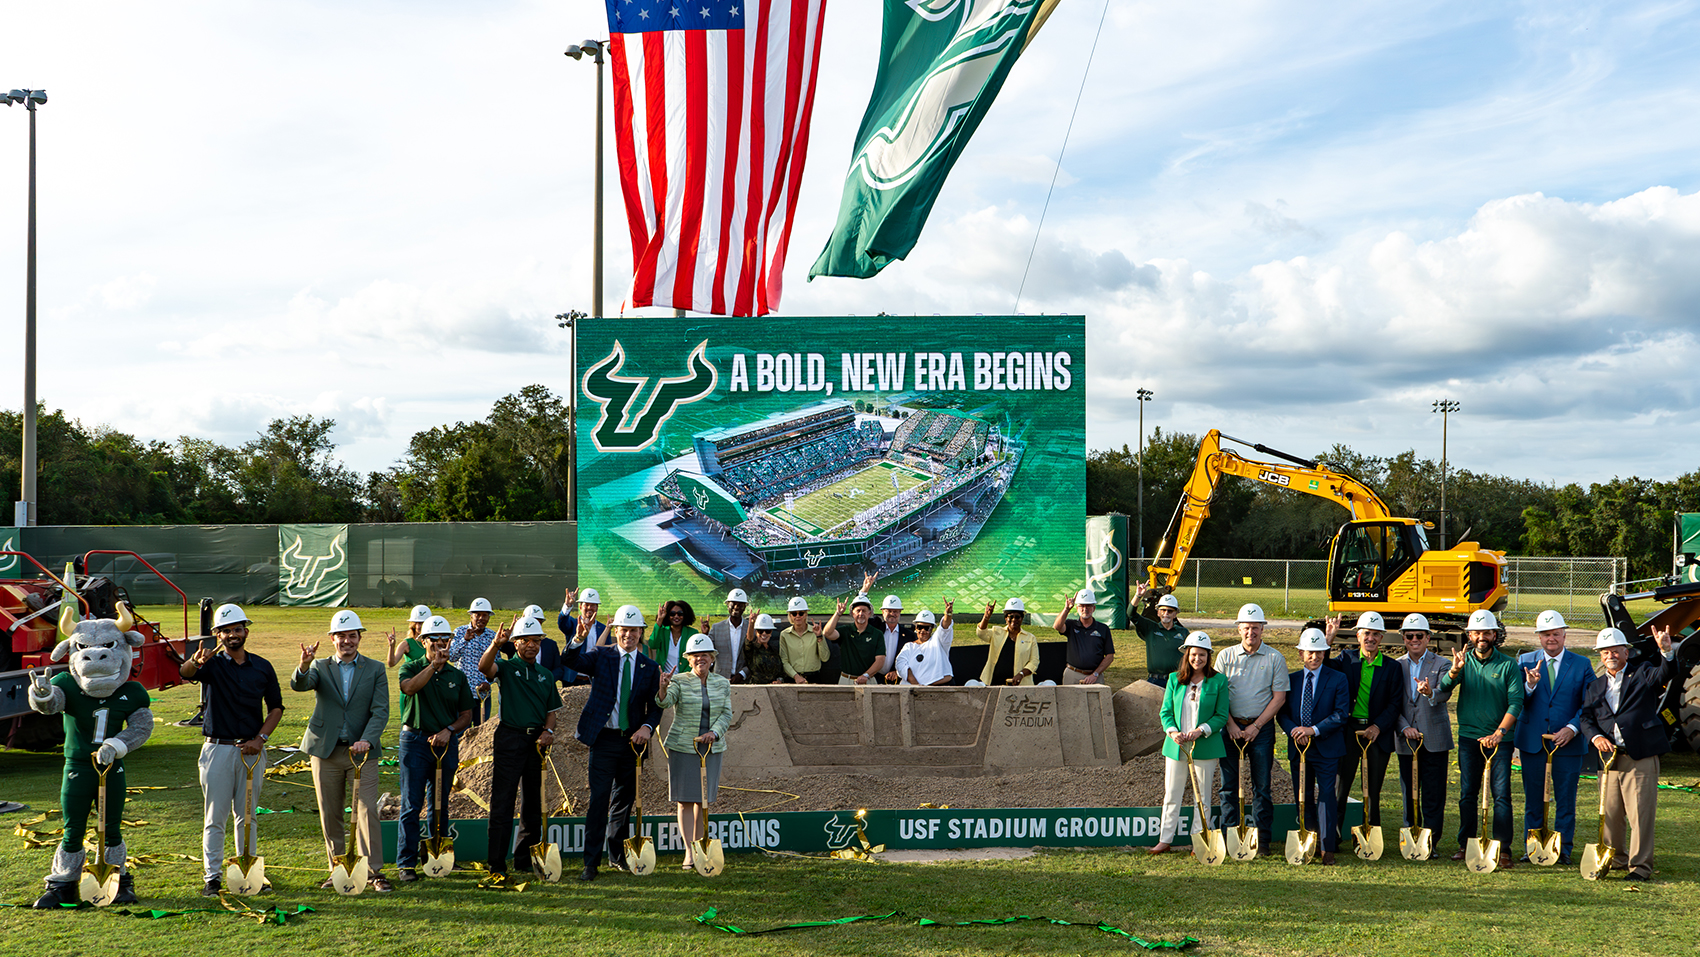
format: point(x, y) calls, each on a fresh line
point(1328, 712)
point(1637, 714)
point(1550, 707)
point(602, 664)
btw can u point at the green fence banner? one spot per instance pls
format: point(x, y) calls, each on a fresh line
point(1106, 566)
point(9, 543)
point(312, 565)
point(1687, 566)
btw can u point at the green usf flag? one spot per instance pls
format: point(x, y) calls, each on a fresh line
point(9, 543)
point(942, 62)
point(312, 565)
point(1687, 546)
point(1106, 566)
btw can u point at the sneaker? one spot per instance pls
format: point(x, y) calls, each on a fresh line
point(212, 888)
point(266, 888)
point(381, 884)
point(406, 875)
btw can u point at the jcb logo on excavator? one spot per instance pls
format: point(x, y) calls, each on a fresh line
point(1274, 478)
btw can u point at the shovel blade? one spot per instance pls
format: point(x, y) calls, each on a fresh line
point(1416, 843)
point(708, 857)
point(1241, 842)
point(546, 860)
point(245, 875)
point(1369, 842)
point(350, 874)
point(99, 884)
point(1209, 847)
point(1542, 846)
point(1596, 860)
point(439, 856)
point(1301, 846)
point(1481, 856)
point(640, 856)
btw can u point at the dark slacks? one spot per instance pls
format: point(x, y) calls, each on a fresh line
point(1377, 773)
point(419, 782)
point(613, 785)
point(1322, 806)
point(517, 771)
point(1260, 754)
point(1470, 763)
point(1431, 783)
point(1566, 769)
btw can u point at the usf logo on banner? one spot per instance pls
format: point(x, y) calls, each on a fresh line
point(1106, 566)
point(9, 563)
point(942, 62)
point(312, 565)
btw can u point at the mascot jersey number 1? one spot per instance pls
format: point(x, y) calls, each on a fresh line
point(106, 717)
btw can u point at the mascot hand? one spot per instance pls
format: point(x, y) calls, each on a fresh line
point(111, 751)
point(41, 694)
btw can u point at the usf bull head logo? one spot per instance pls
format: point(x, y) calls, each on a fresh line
point(815, 558)
point(620, 428)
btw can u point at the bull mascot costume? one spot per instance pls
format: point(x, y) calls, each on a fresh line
point(106, 717)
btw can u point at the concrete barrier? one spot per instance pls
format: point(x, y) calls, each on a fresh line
point(1138, 725)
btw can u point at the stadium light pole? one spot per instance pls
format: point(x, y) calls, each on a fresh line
point(24, 512)
point(1445, 407)
point(1144, 397)
point(595, 50)
point(569, 321)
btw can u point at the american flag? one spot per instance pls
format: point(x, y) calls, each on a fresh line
point(712, 100)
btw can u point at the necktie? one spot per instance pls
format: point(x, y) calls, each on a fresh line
point(625, 687)
point(1552, 671)
point(1306, 703)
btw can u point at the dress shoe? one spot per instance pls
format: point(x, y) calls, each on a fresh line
point(406, 875)
point(1638, 875)
point(1523, 860)
point(1565, 861)
point(381, 884)
point(1327, 859)
point(1505, 861)
point(1161, 848)
point(1459, 856)
point(588, 874)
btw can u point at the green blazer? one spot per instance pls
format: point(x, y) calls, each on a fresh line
point(684, 696)
point(661, 638)
point(1212, 711)
point(366, 709)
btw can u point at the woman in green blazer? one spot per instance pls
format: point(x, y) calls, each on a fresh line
point(673, 621)
point(702, 703)
point(1195, 712)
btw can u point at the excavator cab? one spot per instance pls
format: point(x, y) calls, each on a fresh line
point(1368, 556)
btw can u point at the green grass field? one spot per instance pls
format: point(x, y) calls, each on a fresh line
point(1391, 907)
point(828, 507)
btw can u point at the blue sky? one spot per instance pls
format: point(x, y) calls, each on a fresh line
point(1297, 222)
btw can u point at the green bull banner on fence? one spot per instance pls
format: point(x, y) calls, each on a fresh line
point(1106, 566)
point(945, 456)
point(312, 565)
point(1687, 563)
point(819, 832)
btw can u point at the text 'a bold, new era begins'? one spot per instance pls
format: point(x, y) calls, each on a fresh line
point(901, 371)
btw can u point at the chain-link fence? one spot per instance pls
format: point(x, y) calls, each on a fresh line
point(1292, 588)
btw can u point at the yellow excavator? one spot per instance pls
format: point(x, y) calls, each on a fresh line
point(1378, 561)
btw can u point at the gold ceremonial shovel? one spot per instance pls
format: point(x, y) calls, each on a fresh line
point(1542, 844)
point(707, 855)
point(1242, 840)
point(1596, 858)
point(1416, 842)
point(1481, 854)
point(440, 846)
point(245, 873)
point(1207, 843)
point(1367, 835)
point(1301, 844)
point(546, 855)
point(100, 879)
point(640, 850)
point(349, 871)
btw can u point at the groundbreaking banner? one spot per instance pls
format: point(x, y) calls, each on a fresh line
point(792, 456)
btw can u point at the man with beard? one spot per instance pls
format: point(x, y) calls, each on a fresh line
point(1490, 699)
point(729, 637)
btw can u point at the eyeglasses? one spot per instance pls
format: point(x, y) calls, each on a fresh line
point(923, 627)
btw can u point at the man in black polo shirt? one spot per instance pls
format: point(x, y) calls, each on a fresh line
point(527, 725)
point(1090, 647)
point(436, 706)
point(861, 646)
point(243, 706)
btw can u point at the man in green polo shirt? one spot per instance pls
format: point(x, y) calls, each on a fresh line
point(436, 706)
point(1163, 638)
point(526, 727)
point(1490, 699)
point(861, 646)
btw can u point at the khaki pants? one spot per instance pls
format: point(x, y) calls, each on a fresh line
point(1631, 794)
point(331, 777)
point(1072, 677)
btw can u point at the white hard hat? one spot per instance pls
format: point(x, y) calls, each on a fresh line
point(1371, 621)
point(1252, 613)
point(345, 620)
point(797, 604)
point(628, 616)
point(419, 613)
point(533, 611)
point(699, 642)
point(1170, 601)
point(527, 627)
point(924, 617)
point(1085, 597)
point(1048, 683)
point(227, 615)
point(891, 603)
point(436, 625)
point(861, 600)
point(480, 604)
point(973, 683)
point(1481, 620)
point(1313, 640)
point(1197, 639)
point(764, 622)
point(1548, 620)
point(1015, 604)
point(1414, 622)
point(590, 596)
point(737, 594)
point(1610, 638)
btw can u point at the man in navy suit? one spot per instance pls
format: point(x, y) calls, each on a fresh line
point(1374, 682)
point(1315, 715)
point(620, 716)
point(1620, 718)
point(1555, 682)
